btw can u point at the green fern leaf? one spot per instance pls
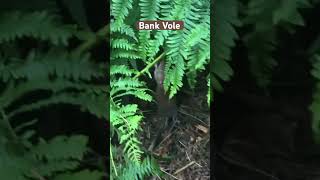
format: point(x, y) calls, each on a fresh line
point(149, 9)
point(120, 9)
point(81, 175)
point(224, 36)
point(39, 25)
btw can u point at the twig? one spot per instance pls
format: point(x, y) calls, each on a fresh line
point(99, 36)
point(149, 65)
point(5, 124)
point(182, 144)
point(188, 156)
point(194, 117)
point(112, 162)
point(198, 164)
point(37, 175)
point(164, 139)
point(184, 167)
point(170, 174)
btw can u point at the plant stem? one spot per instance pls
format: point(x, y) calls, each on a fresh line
point(13, 142)
point(149, 65)
point(112, 162)
point(9, 132)
point(102, 34)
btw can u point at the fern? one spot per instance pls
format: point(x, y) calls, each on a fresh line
point(69, 78)
point(288, 12)
point(149, 9)
point(53, 63)
point(261, 46)
point(224, 35)
point(119, 10)
point(136, 172)
point(185, 50)
point(265, 16)
point(315, 105)
point(82, 175)
point(44, 159)
point(124, 117)
point(39, 25)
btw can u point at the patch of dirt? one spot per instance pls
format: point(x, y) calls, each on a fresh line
point(184, 152)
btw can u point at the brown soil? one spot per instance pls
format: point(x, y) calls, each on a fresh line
point(184, 152)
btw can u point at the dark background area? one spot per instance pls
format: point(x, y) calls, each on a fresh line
point(259, 135)
point(68, 119)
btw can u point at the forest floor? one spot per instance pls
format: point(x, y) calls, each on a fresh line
point(184, 152)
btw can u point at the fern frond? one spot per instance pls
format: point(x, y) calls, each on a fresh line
point(149, 9)
point(61, 147)
point(95, 104)
point(144, 43)
point(224, 35)
point(54, 63)
point(315, 105)
point(122, 43)
point(46, 158)
point(139, 171)
point(287, 11)
point(120, 10)
point(13, 93)
point(39, 25)
point(261, 62)
point(174, 75)
point(123, 29)
point(124, 118)
point(185, 44)
point(129, 55)
point(120, 69)
point(81, 175)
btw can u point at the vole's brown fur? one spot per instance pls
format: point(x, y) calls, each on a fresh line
point(166, 107)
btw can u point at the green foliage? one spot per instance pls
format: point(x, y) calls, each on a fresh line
point(139, 171)
point(185, 52)
point(262, 21)
point(264, 17)
point(225, 15)
point(44, 159)
point(82, 175)
point(39, 25)
point(315, 106)
point(49, 65)
point(267, 17)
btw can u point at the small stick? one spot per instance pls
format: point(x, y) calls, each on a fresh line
point(183, 168)
point(164, 139)
point(185, 113)
point(198, 164)
point(188, 156)
point(170, 174)
point(248, 167)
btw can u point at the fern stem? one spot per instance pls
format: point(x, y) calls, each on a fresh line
point(11, 135)
point(112, 162)
point(6, 130)
point(102, 34)
point(37, 175)
point(149, 65)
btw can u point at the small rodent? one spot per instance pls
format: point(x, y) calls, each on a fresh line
point(166, 107)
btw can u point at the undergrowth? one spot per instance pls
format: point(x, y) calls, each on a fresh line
point(134, 53)
point(263, 20)
point(36, 54)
